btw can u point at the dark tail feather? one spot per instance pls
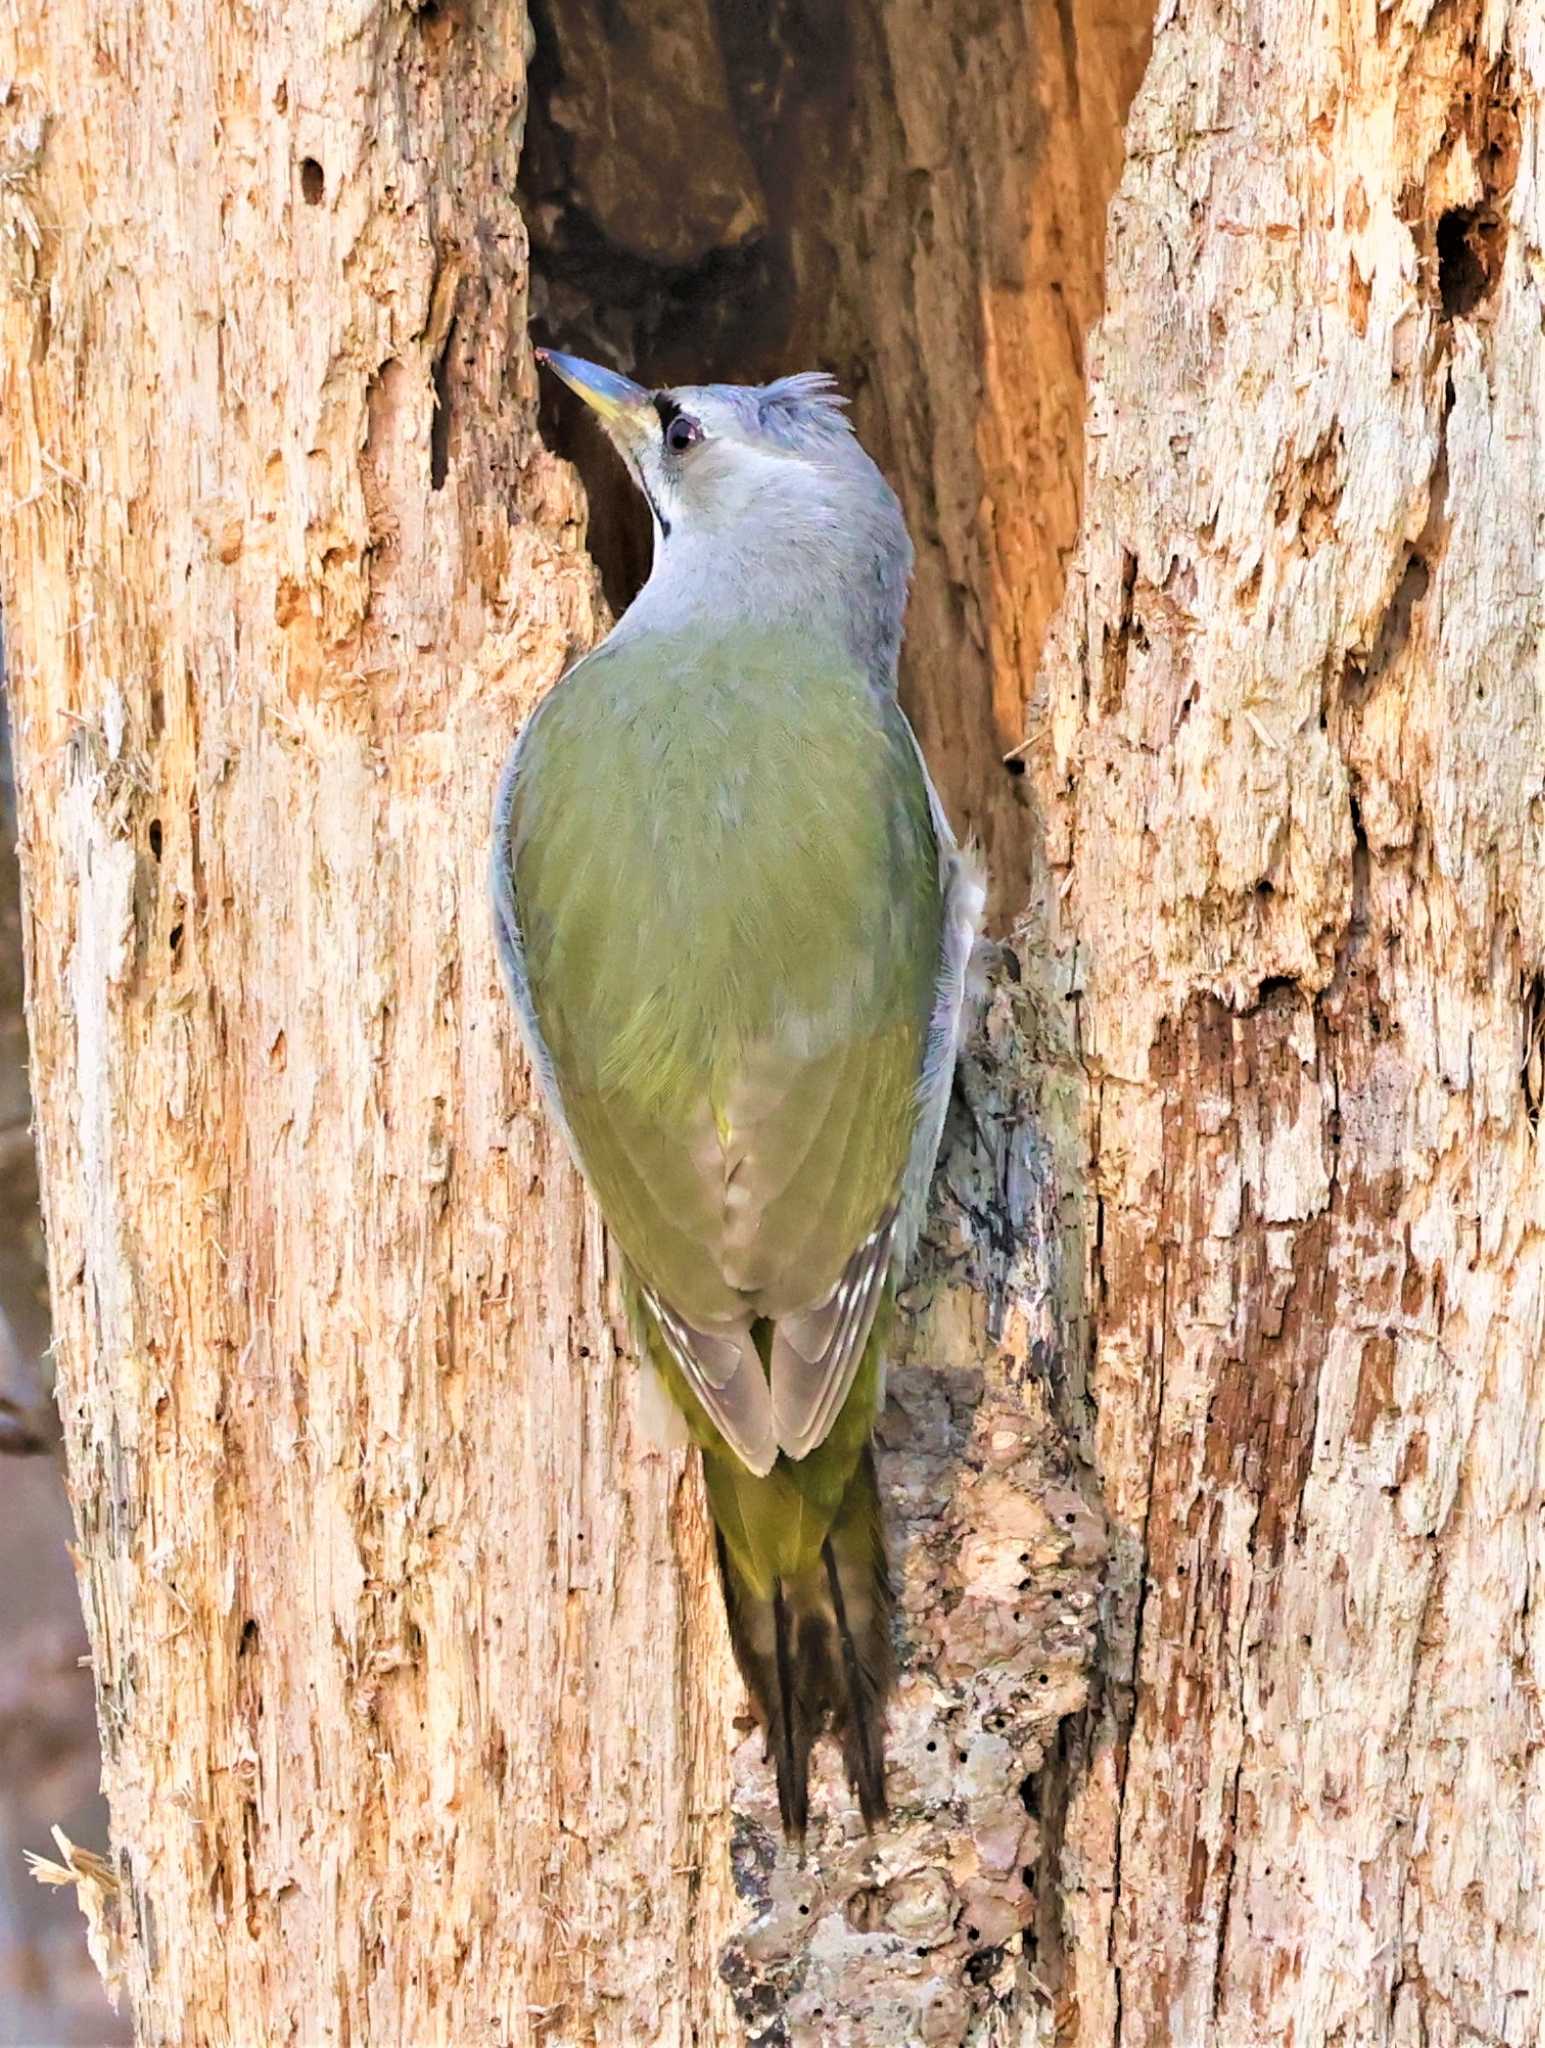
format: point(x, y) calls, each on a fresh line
point(819, 1653)
point(860, 1724)
point(858, 1585)
point(786, 1726)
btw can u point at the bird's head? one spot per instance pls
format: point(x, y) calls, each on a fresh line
point(708, 456)
point(767, 484)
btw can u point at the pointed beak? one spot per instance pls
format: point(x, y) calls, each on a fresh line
point(617, 402)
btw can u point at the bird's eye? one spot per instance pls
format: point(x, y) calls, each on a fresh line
point(682, 432)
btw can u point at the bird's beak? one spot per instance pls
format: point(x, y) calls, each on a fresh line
point(617, 402)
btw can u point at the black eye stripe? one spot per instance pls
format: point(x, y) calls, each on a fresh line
point(678, 429)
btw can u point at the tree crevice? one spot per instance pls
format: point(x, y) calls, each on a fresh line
point(1208, 1448)
point(813, 226)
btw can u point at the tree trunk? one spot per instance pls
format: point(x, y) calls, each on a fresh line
point(386, 1624)
point(1291, 756)
point(414, 1696)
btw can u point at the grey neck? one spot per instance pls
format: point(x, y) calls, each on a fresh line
point(838, 581)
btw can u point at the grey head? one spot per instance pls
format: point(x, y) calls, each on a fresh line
point(766, 509)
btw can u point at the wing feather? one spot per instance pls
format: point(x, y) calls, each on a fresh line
point(750, 1142)
point(816, 1351)
point(725, 1374)
point(963, 885)
point(508, 940)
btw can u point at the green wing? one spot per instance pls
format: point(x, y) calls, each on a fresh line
point(719, 883)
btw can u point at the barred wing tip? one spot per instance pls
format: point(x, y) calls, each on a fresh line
point(816, 1354)
point(724, 1373)
point(816, 1351)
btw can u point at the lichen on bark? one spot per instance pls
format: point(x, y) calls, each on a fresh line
point(998, 1543)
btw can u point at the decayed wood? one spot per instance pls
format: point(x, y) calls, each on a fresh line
point(400, 1739)
point(964, 247)
point(1291, 756)
point(910, 194)
point(413, 1688)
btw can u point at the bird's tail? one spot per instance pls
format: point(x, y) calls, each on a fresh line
point(813, 1642)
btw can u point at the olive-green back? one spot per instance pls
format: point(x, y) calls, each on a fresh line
point(727, 886)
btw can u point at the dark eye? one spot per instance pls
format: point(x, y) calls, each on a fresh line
point(682, 432)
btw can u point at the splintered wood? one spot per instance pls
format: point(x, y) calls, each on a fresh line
point(386, 1603)
point(1291, 780)
point(1214, 1453)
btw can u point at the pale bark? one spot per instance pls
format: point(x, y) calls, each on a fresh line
point(413, 1687)
point(400, 1741)
point(1291, 757)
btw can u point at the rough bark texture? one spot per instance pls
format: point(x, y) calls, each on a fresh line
point(413, 1689)
point(414, 1696)
point(400, 1740)
point(49, 1755)
point(1291, 754)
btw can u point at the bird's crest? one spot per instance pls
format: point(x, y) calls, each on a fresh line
point(795, 407)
